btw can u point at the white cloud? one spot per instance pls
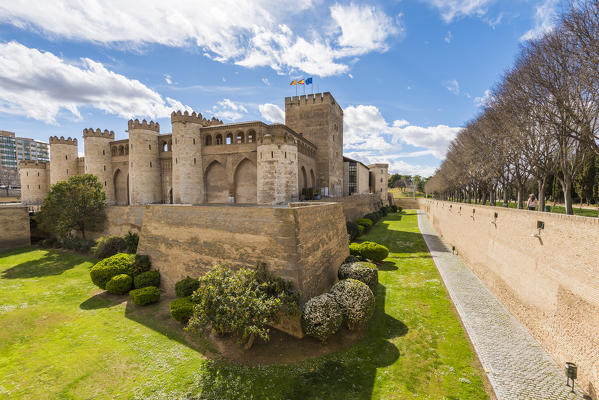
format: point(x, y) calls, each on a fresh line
point(484, 100)
point(545, 17)
point(229, 110)
point(396, 165)
point(250, 34)
point(266, 81)
point(40, 85)
point(449, 37)
point(453, 86)
point(452, 9)
point(272, 113)
point(168, 79)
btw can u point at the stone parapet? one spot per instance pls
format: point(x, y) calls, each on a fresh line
point(149, 126)
point(62, 140)
point(34, 164)
point(178, 116)
point(98, 133)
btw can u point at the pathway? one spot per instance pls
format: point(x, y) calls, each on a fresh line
point(516, 364)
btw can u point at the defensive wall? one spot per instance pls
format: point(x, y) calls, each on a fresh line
point(544, 268)
point(120, 220)
point(408, 203)
point(304, 242)
point(357, 205)
point(14, 223)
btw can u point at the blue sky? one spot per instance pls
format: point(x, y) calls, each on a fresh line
point(408, 73)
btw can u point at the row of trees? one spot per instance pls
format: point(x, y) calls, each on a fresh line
point(407, 182)
point(540, 123)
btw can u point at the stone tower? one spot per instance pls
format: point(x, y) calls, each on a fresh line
point(63, 153)
point(98, 158)
point(380, 180)
point(144, 163)
point(277, 166)
point(188, 180)
point(34, 181)
point(320, 119)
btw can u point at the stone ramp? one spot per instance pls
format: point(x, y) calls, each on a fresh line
point(516, 364)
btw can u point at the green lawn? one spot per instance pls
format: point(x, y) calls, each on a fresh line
point(62, 339)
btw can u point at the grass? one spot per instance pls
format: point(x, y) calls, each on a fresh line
point(63, 339)
point(401, 193)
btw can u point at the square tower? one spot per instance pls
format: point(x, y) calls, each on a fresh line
point(320, 120)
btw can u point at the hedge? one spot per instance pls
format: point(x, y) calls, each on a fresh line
point(146, 295)
point(365, 222)
point(186, 287)
point(119, 284)
point(322, 317)
point(362, 271)
point(355, 300)
point(107, 247)
point(148, 278)
point(110, 267)
point(353, 230)
point(181, 309)
point(373, 251)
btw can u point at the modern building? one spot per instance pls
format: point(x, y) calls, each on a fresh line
point(8, 152)
point(31, 150)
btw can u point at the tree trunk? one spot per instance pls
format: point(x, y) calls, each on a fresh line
point(505, 203)
point(249, 343)
point(567, 188)
point(541, 185)
point(520, 197)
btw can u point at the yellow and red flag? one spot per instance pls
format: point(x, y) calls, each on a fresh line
point(293, 83)
point(300, 82)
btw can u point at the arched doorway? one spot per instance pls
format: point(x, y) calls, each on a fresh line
point(216, 184)
point(121, 188)
point(245, 183)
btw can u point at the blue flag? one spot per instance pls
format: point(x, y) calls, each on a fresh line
point(308, 81)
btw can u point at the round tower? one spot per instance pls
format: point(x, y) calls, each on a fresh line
point(144, 163)
point(98, 158)
point(188, 179)
point(34, 181)
point(63, 161)
point(277, 166)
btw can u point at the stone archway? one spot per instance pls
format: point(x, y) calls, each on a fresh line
point(121, 188)
point(215, 180)
point(245, 183)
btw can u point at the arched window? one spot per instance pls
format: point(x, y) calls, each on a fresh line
point(219, 139)
point(164, 146)
point(229, 138)
point(114, 150)
point(251, 137)
point(121, 150)
point(239, 137)
point(208, 140)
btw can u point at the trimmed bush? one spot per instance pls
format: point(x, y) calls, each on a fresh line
point(109, 246)
point(119, 284)
point(394, 208)
point(146, 295)
point(373, 251)
point(142, 264)
point(355, 249)
point(181, 309)
point(350, 259)
point(353, 230)
point(148, 278)
point(110, 267)
point(186, 287)
point(131, 240)
point(383, 211)
point(374, 217)
point(355, 300)
point(322, 317)
point(362, 271)
point(365, 222)
point(362, 229)
point(399, 209)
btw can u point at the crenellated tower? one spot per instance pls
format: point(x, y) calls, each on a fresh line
point(145, 185)
point(277, 166)
point(64, 158)
point(98, 158)
point(320, 119)
point(188, 180)
point(34, 181)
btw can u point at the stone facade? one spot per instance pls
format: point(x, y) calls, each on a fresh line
point(35, 178)
point(547, 278)
point(14, 221)
point(379, 176)
point(63, 163)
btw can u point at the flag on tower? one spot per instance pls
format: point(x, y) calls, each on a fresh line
point(300, 82)
point(293, 83)
point(309, 81)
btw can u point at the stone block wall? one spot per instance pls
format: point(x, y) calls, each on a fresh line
point(548, 278)
point(305, 244)
point(120, 220)
point(358, 205)
point(14, 221)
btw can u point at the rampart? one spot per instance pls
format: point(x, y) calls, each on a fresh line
point(14, 220)
point(356, 206)
point(305, 242)
point(543, 267)
point(120, 220)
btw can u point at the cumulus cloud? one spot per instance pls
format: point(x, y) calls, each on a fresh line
point(250, 34)
point(229, 110)
point(545, 17)
point(40, 85)
point(453, 86)
point(272, 113)
point(452, 9)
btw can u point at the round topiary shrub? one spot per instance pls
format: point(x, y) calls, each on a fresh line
point(181, 309)
point(362, 271)
point(350, 259)
point(186, 287)
point(355, 249)
point(374, 217)
point(110, 267)
point(373, 251)
point(365, 222)
point(148, 278)
point(119, 284)
point(146, 295)
point(142, 264)
point(353, 231)
point(322, 317)
point(109, 246)
point(355, 300)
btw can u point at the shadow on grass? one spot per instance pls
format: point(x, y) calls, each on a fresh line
point(101, 300)
point(387, 266)
point(52, 263)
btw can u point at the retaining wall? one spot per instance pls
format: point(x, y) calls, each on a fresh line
point(356, 206)
point(548, 278)
point(14, 227)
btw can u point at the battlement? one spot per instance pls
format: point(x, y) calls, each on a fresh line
point(62, 140)
point(34, 164)
point(152, 126)
point(194, 118)
point(98, 133)
point(306, 99)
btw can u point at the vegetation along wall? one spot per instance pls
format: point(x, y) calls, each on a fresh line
point(305, 242)
point(544, 268)
point(14, 227)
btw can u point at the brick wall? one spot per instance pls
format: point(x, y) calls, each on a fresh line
point(14, 223)
point(548, 279)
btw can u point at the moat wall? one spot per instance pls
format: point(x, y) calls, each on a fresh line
point(305, 242)
point(120, 220)
point(356, 206)
point(14, 227)
point(550, 281)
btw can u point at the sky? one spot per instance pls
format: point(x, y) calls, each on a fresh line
point(408, 73)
